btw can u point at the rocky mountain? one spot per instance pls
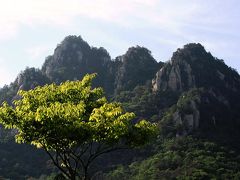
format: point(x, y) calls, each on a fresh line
point(211, 90)
point(192, 94)
point(74, 57)
point(135, 67)
point(192, 67)
point(194, 98)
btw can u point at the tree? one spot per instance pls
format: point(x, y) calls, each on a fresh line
point(74, 123)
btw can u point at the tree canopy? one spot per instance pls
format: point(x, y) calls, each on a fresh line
point(74, 123)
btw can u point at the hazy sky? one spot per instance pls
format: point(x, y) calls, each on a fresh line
point(31, 29)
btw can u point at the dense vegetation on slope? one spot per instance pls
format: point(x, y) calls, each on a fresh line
point(20, 161)
point(183, 158)
point(193, 94)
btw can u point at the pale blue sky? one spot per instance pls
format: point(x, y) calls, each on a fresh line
point(31, 29)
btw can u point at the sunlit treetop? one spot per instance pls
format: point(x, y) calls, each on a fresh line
point(69, 114)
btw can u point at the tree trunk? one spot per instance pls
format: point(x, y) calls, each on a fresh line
point(86, 174)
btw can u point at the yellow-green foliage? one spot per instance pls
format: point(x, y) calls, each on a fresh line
point(65, 115)
point(70, 116)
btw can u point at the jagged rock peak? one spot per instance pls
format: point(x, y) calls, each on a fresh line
point(73, 58)
point(135, 67)
point(177, 74)
point(190, 52)
point(73, 41)
point(136, 53)
point(137, 50)
point(191, 66)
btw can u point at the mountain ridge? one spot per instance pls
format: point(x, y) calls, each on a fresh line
point(193, 94)
point(190, 67)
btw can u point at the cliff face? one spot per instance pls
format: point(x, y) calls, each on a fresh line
point(192, 67)
point(74, 58)
point(135, 67)
point(217, 86)
point(175, 76)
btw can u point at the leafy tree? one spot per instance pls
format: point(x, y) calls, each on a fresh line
point(74, 124)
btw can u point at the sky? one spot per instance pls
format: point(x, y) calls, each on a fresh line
point(31, 29)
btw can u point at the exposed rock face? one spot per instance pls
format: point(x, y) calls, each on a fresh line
point(177, 74)
point(176, 78)
point(30, 78)
point(204, 110)
point(135, 68)
point(193, 67)
point(190, 120)
point(220, 75)
point(73, 58)
point(217, 88)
